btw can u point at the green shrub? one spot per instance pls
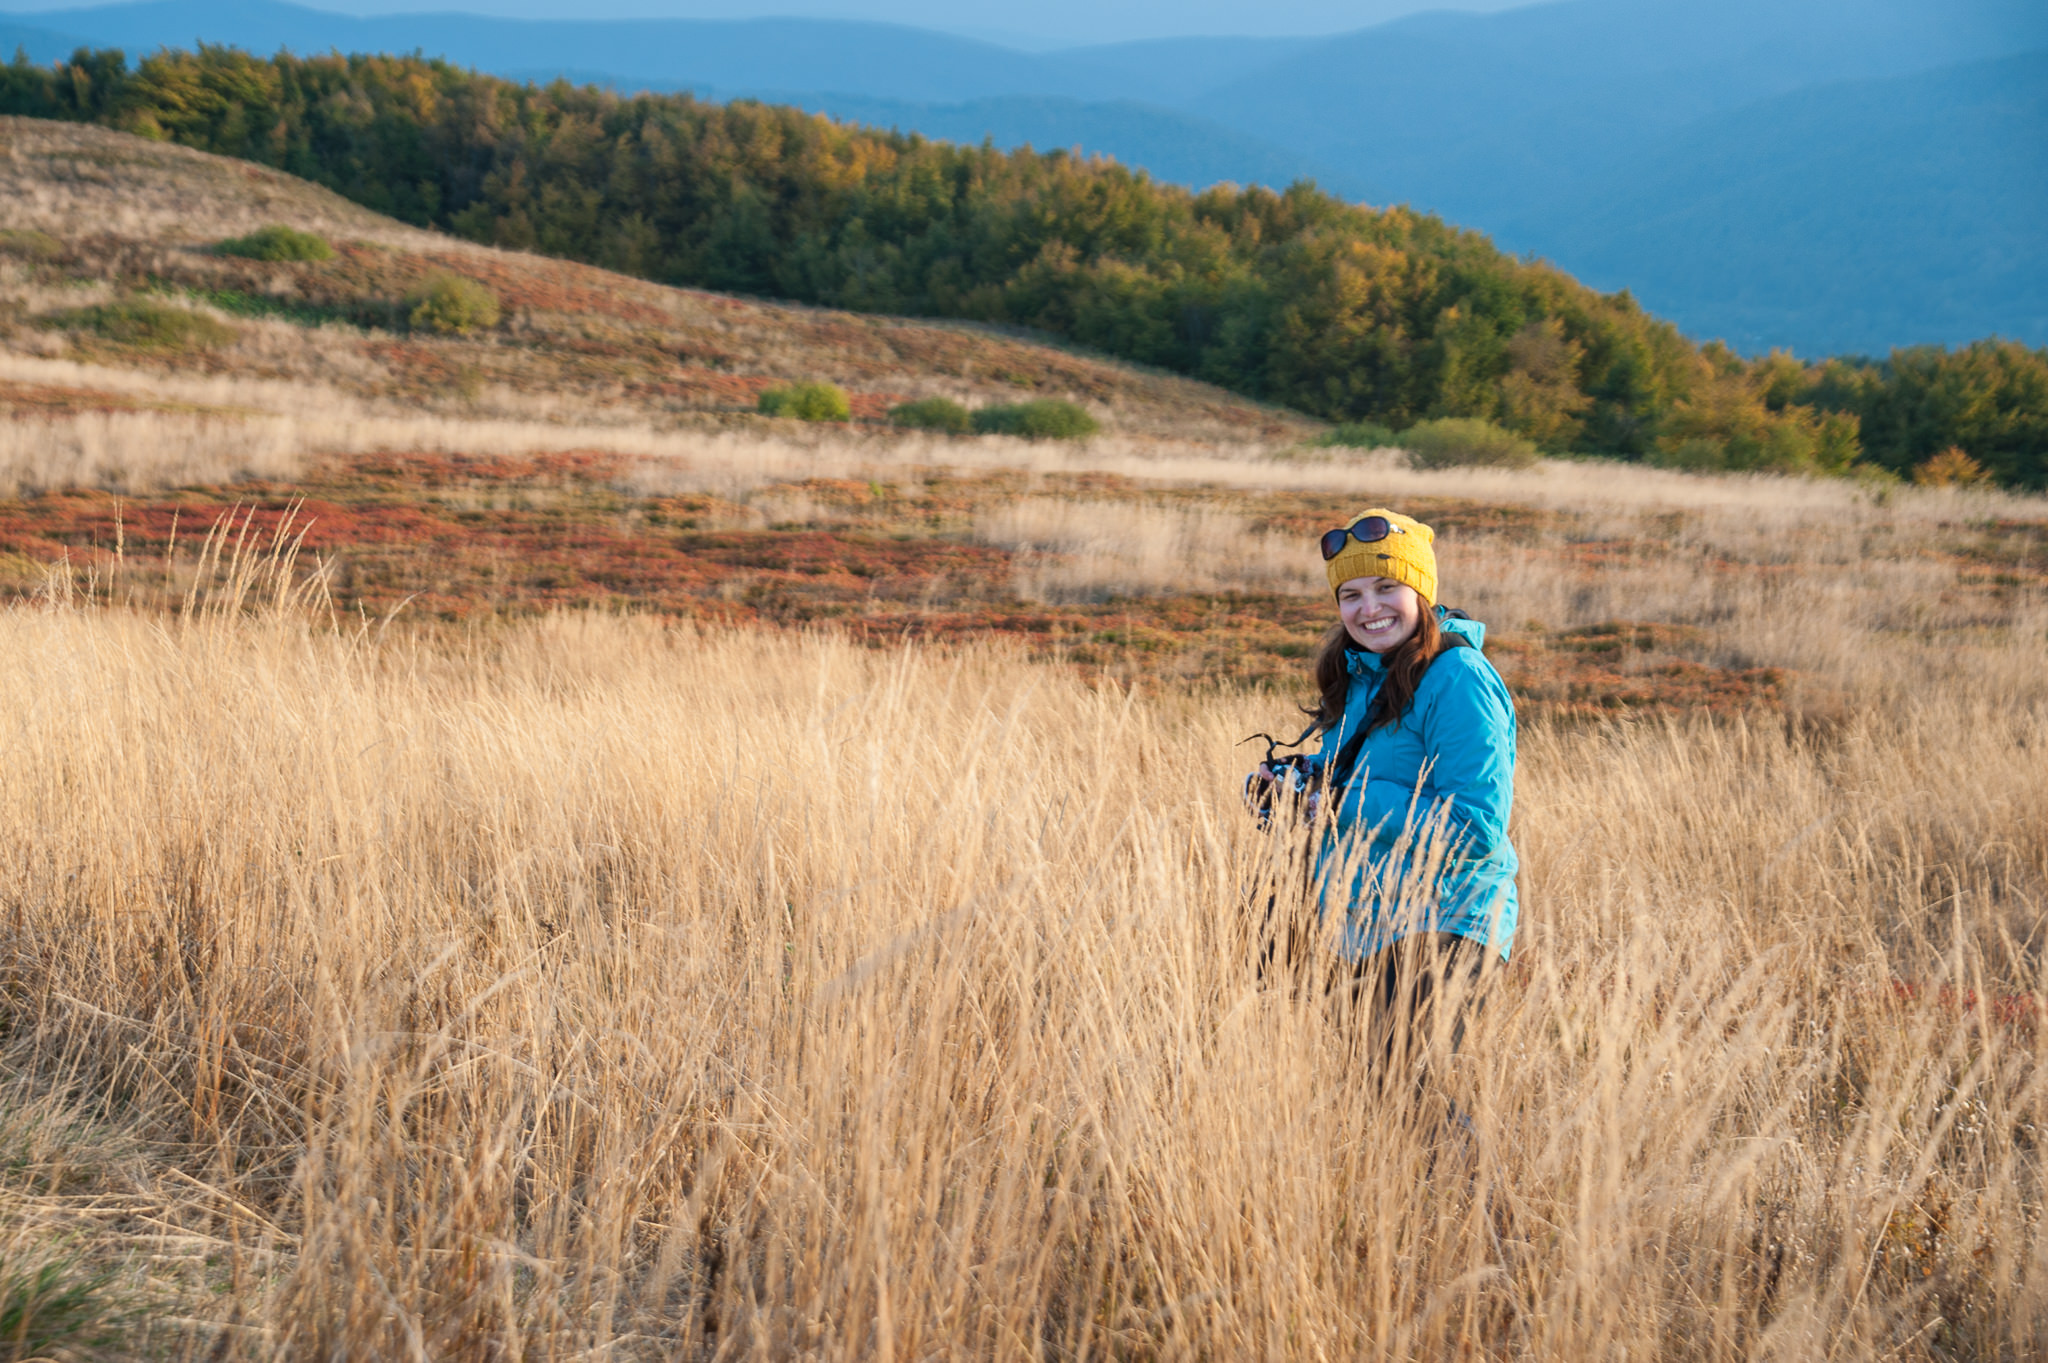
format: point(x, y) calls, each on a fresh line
point(147, 325)
point(933, 414)
point(277, 242)
point(453, 306)
point(1045, 419)
point(1465, 442)
point(1360, 435)
point(806, 402)
point(1744, 437)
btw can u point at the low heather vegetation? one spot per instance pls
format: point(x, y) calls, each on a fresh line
point(1043, 419)
point(933, 414)
point(1039, 419)
point(1466, 442)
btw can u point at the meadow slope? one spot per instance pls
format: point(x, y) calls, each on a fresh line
point(509, 859)
point(89, 216)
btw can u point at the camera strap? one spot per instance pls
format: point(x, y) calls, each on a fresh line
point(1347, 757)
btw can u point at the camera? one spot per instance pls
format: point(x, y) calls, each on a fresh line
point(1294, 775)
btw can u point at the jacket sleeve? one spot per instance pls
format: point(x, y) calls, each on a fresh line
point(1468, 740)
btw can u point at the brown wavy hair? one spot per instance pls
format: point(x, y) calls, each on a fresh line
point(1405, 665)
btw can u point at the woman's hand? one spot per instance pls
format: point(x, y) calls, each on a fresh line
point(1258, 789)
point(1266, 784)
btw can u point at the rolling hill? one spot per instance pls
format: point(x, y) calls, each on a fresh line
point(732, 57)
point(1172, 146)
point(1342, 311)
point(1667, 148)
point(85, 203)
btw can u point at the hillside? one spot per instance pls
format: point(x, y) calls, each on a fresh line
point(1340, 311)
point(1337, 310)
point(1616, 138)
point(134, 213)
point(1176, 147)
point(513, 854)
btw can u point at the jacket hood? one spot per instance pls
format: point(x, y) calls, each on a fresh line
point(1471, 631)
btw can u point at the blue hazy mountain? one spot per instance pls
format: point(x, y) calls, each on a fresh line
point(1094, 100)
point(1477, 116)
point(1042, 26)
point(1181, 72)
point(1045, 25)
point(42, 44)
point(1823, 175)
point(874, 59)
point(1750, 168)
point(1852, 216)
point(885, 61)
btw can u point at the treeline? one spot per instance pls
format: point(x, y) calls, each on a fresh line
point(1350, 313)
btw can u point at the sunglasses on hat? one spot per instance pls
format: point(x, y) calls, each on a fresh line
point(1370, 530)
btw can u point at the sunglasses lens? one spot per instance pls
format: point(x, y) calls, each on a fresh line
point(1368, 531)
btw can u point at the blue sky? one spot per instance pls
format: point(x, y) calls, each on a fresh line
point(1028, 23)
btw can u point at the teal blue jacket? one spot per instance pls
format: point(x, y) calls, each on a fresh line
point(1417, 840)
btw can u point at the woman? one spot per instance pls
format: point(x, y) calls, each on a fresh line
point(1414, 781)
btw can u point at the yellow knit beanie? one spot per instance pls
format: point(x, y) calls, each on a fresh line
point(1404, 556)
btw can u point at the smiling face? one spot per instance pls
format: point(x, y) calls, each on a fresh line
point(1378, 612)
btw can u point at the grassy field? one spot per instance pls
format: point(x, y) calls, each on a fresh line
point(512, 856)
point(598, 987)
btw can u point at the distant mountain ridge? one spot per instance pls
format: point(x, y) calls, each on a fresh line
point(1619, 138)
point(878, 60)
point(1794, 198)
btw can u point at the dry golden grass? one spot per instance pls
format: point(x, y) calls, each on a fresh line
point(1079, 549)
point(140, 452)
point(594, 988)
point(599, 987)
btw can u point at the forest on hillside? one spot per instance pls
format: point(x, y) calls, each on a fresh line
point(1351, 313)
